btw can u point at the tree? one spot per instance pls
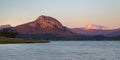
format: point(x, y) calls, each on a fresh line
point(6, 32)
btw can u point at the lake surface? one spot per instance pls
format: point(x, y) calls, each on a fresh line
point(62, 50)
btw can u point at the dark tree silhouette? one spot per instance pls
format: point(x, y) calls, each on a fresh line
point(6, 32)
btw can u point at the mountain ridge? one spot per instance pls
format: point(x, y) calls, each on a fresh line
point(93, 32)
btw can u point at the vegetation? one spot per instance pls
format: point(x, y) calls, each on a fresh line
point(8, 35)
point(4, 40)
point(6, 32)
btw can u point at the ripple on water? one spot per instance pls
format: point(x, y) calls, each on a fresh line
point(63, 50)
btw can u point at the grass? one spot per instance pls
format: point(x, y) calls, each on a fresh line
point(4, 40)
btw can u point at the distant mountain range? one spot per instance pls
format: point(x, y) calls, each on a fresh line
point(46, 27)
point(93, 30)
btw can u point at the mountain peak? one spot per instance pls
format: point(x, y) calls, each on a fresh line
point(48, 22)
point(41, 17)
point(93, 26)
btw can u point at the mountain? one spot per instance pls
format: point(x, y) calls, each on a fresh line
point(49, 28)
point(115, 33)
point(5, 26)
point(93, 26)
point(93, 30)
point(44, 25)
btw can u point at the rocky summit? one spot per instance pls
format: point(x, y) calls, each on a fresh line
point(44, 25)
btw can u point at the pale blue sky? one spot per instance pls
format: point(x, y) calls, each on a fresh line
point(71, 13)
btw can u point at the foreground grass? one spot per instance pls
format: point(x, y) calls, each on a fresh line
point(4, 40)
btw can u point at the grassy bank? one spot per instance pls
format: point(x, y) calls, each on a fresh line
point(4, 40)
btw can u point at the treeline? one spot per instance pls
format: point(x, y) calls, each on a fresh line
point(56, 37)
point(11, 33)
point(8, 32)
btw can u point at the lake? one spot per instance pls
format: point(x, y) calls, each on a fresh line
point(62, 50)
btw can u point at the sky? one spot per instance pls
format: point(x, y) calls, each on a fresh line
point(71, 13)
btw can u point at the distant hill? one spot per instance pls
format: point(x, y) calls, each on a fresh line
point(5, 26)
point(115, 33)
point(93, 32)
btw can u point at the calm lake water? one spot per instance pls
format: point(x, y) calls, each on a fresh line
point(62, 50)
